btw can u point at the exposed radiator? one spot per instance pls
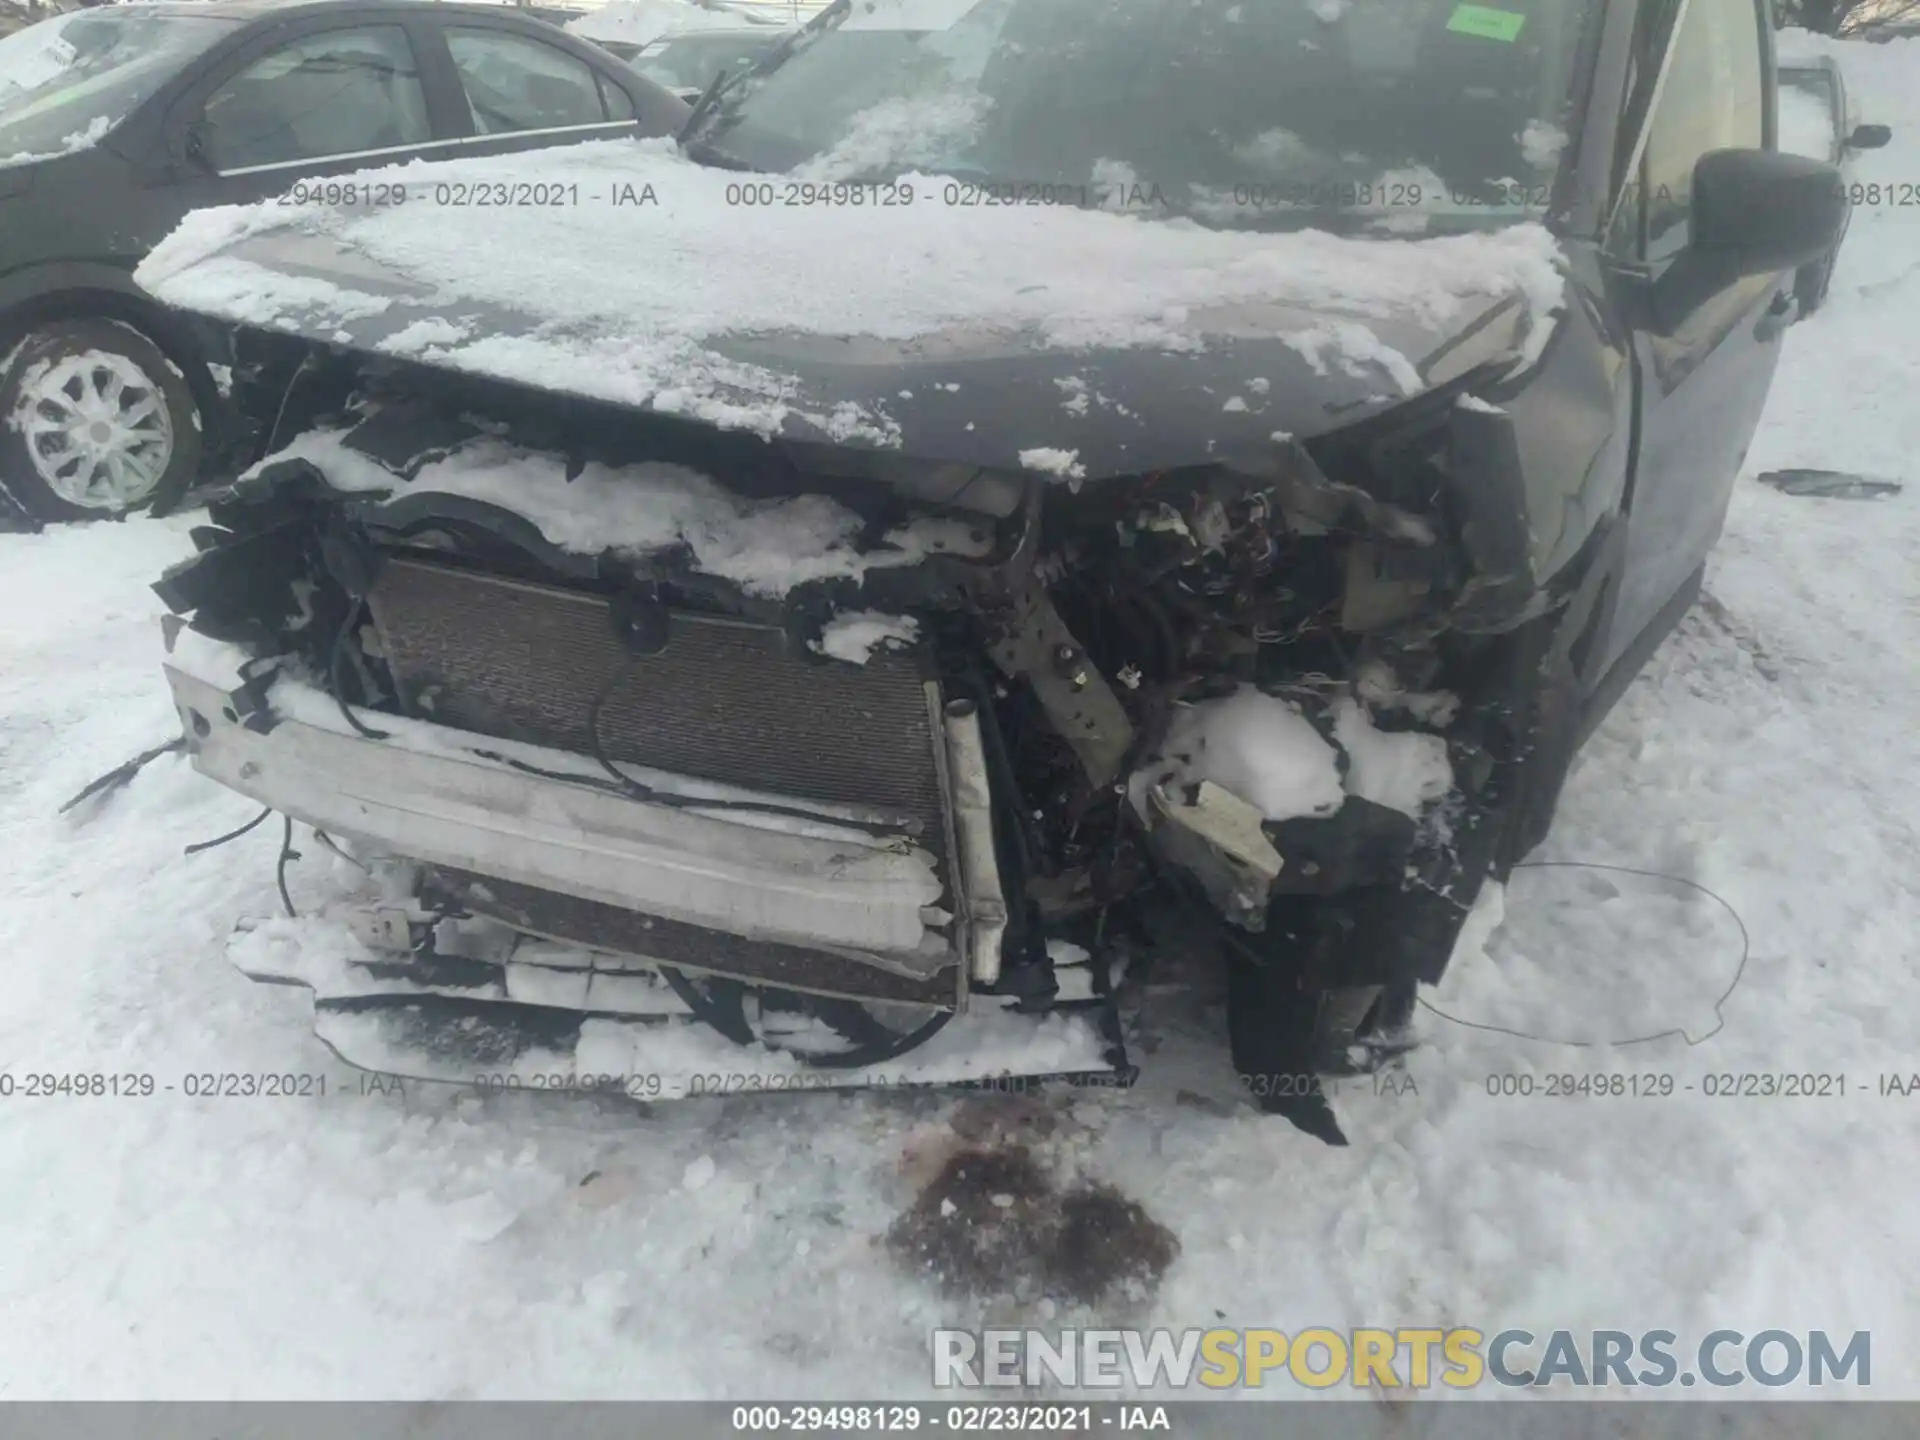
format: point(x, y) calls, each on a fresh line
point(724, 701)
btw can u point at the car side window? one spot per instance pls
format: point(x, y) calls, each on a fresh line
point(1713, 99)
point(619, 104)
point(338, 93)
point(514, 83)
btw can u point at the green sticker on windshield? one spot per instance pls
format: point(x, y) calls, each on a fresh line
point(1486, 23)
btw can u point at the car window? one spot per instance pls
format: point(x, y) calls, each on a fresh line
point(1808, 123)
point(1388, 116)
point(514, 83)
point(1712, 99)
point(689, 62)
point(343, 92)
point(67, 81)
point(619, 104)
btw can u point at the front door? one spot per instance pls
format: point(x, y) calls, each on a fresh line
point(1700, 387)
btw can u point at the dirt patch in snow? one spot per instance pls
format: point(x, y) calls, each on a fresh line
point(992, 1222)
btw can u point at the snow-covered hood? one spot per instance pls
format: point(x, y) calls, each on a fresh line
point(1090, 343)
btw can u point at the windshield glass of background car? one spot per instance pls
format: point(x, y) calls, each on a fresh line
point(1807, 123)
point(691, 62)
point(67, 81)
point(1237, 111)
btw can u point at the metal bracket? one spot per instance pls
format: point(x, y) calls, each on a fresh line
point(1038, 647)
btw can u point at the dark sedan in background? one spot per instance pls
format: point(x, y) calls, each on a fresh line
point(116, 122)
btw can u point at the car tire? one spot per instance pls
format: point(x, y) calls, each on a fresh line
point(95, 423)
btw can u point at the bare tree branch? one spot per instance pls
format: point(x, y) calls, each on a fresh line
point(1847, 17)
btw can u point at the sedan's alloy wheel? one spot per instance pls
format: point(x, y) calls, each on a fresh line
point(97, 430)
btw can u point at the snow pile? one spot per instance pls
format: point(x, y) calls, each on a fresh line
point(424, 336)
point(1376, 684)
point(640, 22)
point(1403, 770)
point(1353, 346)
point(85, 139)
point(1258, 746)
point(1050, 460)
point(853, 635)
point(650, 333)
point(766, 547)
point(1265, 750)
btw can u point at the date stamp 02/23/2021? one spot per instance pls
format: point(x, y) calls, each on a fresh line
point(28, 1084)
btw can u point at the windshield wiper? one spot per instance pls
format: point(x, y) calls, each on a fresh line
point(702, 105)
point(705, 152)
point(704, 108)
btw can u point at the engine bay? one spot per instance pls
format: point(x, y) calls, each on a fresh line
point(1244, 700)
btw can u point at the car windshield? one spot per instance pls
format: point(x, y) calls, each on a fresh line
point(1401, 114)
point(67, 81)
point(1807, 124)
point(689, 62)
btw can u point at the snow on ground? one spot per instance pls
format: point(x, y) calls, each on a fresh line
point(440, 1244)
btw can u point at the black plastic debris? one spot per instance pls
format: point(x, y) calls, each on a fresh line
point(1829, 484)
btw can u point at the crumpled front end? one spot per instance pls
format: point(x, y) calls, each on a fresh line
point(860, 769)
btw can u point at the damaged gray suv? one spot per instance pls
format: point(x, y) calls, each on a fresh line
point(1020, 484)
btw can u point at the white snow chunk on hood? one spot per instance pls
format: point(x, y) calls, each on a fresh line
point(766, 547)
point(853, 635)
point(95, 131)
point(1050, 460)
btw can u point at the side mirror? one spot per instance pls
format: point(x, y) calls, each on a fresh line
point(1869, 137)
point(1762, 211)
point(1754, 212)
